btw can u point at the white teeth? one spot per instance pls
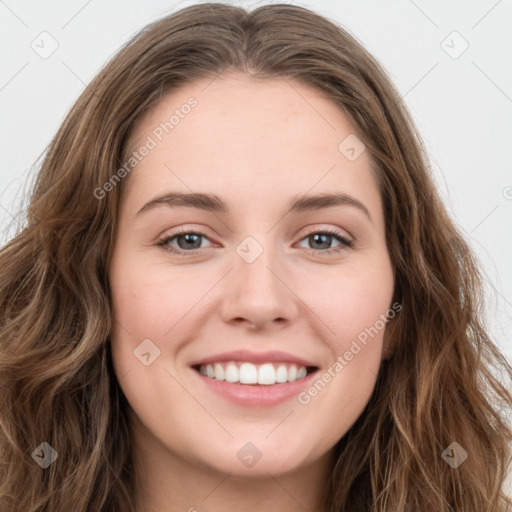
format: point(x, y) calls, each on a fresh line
point(248, 373)
point(301, 373)
point(292, 373)
point(219, 371)
point(231, 373)
point(281, 374)
point(266, 374)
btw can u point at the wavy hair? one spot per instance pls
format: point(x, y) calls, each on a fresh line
point(442, 383)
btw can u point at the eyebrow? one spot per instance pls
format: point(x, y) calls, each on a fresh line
point(213, 203)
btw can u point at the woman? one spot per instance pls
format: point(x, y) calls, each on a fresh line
point(253, 369)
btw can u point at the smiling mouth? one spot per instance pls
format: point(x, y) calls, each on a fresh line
point(266, 374)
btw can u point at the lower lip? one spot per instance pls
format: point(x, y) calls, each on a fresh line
point(253, 395)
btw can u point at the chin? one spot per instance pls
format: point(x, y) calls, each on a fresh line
point(258, 457)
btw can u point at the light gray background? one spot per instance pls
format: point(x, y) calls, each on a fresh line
point(462, 104)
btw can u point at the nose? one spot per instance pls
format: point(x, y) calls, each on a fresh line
point(257, 294)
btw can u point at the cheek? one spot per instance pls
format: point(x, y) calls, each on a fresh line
point(151, 303)
point(148, 300)
point(354, 306)
point(353, 303)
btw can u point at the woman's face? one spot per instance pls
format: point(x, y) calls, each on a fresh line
point(236, 282)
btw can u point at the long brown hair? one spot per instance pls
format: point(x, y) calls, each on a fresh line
point(56, 376)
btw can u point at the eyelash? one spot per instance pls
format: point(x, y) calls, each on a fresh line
point(345, 243)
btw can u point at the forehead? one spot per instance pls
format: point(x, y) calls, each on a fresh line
point(249, 138)
point(274, 110)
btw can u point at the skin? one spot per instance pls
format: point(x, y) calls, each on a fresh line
point(255, 144)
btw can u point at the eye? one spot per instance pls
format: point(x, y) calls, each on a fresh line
point(188, 241)
point(324, 240)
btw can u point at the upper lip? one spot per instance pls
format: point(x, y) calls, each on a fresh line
point(274, 356)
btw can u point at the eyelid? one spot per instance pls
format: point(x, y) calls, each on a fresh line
point(183, 230)
point(332, 230)
point(346, 242)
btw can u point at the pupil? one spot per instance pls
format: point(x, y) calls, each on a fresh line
point(323, 237)
point(188, 238)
